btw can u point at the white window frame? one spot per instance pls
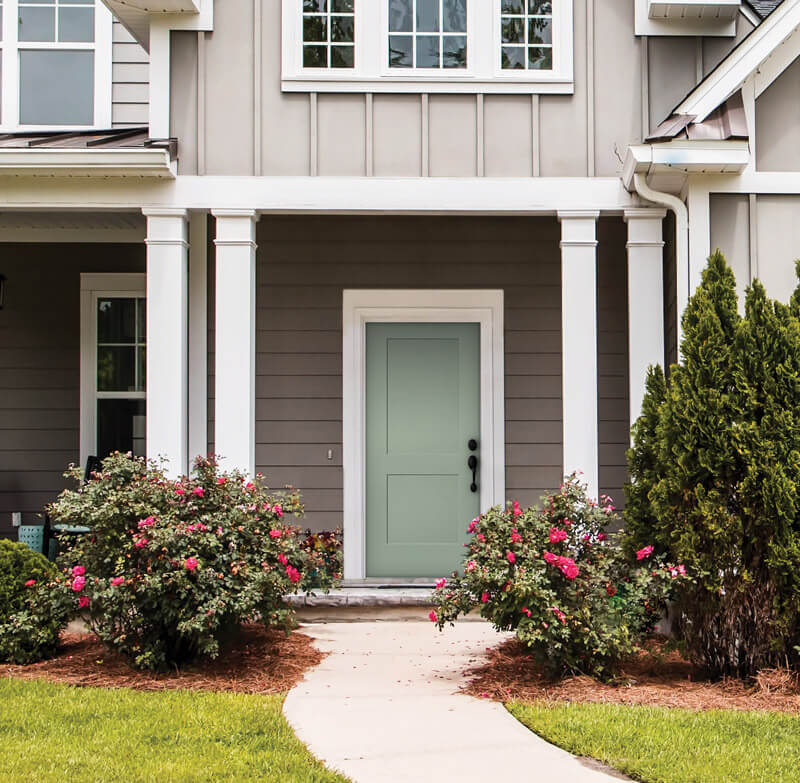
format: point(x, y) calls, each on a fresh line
point(10, 47)
point(372, 73)
point(361, 307)
point(93, 288)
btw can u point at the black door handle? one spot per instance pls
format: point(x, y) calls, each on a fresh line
point(472, 464)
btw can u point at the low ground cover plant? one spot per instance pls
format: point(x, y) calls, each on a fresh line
point(172, 568)
point(567, 588)
point(715, 476)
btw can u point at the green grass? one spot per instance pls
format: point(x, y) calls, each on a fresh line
point(661, 745)
point(53, 733)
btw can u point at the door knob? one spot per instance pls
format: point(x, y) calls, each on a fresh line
point(472, 464)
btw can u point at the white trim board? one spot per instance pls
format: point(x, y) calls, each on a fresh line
point(421, 306)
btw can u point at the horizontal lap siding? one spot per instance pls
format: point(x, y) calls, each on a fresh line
point(130, 96)
point(304, 263)
point(40, 366)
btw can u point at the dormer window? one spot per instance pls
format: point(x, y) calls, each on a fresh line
point(429, 46)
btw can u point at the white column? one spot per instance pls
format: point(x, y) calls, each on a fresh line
point(198, 334)
point(167, 339)
point(645, 300)
point(579, 344)
point(235, 329)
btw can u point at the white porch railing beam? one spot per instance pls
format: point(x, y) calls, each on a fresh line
point(579, 344)
point(235, 330)
point(645, 300)
point(167, 337)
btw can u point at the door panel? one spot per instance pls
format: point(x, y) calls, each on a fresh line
point(423, 407)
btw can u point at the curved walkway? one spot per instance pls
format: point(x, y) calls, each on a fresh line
point(384, 706)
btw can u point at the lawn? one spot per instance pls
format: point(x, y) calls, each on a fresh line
point(53, 733)
point(661, 745)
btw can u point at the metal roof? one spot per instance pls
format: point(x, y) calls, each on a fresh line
point(726, 122)
point(118, 138)
point(764, 7)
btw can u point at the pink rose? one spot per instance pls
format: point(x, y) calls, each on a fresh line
point(83, 601)
point(145, 523)
point(516, 510)
point(471, 566)
point(118, 580)
point(78, 583)
point(198, 492)
point(30, 583)
point(249, 487)
point(550, 558)
point(222, 480)
point(275, 533)
point(642, 554)
point(682, 570)
point(561, 616)
point(511, 557)
point(571, 571)
point(485, 598)
point(180, 491)
point(473, 526)
point(191, 563)
point(282, 559)
point(557, 535)
point(432, 617)
point(516, 538)
point(141, 543)
point(601, 536)
point(481, 537)
point(440, 583)
point(219, 531)
point(78, 570)
point(293, 574)
point(277, 509)
point(526, 611)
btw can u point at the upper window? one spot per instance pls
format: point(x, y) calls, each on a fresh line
point(456, 46)
point(55, 62)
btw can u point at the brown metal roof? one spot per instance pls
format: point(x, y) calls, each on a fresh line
point(118, 138)
point(726, 122)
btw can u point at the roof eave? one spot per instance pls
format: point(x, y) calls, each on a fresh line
point(49, 162)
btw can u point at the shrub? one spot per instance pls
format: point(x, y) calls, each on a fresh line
point(173, 567)
point(29, 622)
point(556, 578)
point(325, 548)
point(715, 476)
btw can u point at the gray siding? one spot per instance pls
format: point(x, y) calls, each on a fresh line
point(778, 123)
point(730, 233)
point(130, 80)
point(40, 364)
point(304, 263)
point(243, 125)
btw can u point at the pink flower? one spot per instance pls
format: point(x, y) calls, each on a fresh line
point(550, 558)
point(473, 526)
point(78, 570)
point(83, 601)
point(275, 533)
point(145, 523)
point(198, 491)
point(432, 617)
point(293, 574)
point(471, 566)
point(221, 480)
point(516, 538)
point(219, 531)
point(682, 570)
point(277, 509)
point(557, 535)
point(249, 487)
point(526, 611)
point(282, 559)
point(30, 583)
point(561, 616)
point(141, 543)
point(481, 537)
point(78, 583)
point(511, 557)
point(567, 523)
point(569, 569)
point(485, 598)
point(545, 625)
point(601, 536)
point(191, 563)
point(440, 583)
point(118, 580)
point(644, 553)
point(516, 510)
point(180, 491)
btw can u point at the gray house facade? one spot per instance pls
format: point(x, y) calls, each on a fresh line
point(412, 257)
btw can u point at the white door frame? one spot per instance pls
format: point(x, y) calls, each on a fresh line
point(360, 307)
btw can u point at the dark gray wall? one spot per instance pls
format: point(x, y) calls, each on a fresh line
point(304, 263)
point(40, 365)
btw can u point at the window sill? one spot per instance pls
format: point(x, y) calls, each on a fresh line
point(496, 86)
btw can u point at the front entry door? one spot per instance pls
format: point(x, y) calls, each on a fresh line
point(422, 411)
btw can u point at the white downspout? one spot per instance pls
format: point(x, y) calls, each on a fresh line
point(681, 212)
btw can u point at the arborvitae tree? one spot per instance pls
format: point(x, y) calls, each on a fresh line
point(724, 475)
point(644, 466)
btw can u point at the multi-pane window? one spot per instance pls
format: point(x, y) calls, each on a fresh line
point(526, 35)
point(427, 33)
point(329, 33)
point(120, 373)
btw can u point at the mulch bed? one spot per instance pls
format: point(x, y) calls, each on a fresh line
point(657, 677)
point(258, 661)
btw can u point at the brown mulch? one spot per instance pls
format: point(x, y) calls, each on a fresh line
point(657, 677)
point(257, 661)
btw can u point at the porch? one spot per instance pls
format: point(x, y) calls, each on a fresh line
point(246, 339)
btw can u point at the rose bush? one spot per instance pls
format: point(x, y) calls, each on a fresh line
point(554, 576)
point(172, 567)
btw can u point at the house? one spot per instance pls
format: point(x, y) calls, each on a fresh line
point(411, 256)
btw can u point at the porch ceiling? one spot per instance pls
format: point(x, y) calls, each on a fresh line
point(124, 227)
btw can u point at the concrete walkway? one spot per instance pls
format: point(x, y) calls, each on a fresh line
point(384, 706)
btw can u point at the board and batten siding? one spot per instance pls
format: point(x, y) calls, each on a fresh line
point(304, 264)
point(130, 85)
point(40, 365)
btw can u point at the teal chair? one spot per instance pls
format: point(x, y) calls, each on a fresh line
point(32, 536)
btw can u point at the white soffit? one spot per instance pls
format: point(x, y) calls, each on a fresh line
point(686, 17)
point(136, 15)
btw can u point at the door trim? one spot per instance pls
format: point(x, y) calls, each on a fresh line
point(361, 307)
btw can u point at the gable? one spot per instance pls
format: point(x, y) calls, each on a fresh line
point(778, 123)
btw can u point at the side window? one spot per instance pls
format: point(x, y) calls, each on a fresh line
point(526, 35)
point(329, 33)
point(427, 33)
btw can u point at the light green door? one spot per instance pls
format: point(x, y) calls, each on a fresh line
point(423, 409)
